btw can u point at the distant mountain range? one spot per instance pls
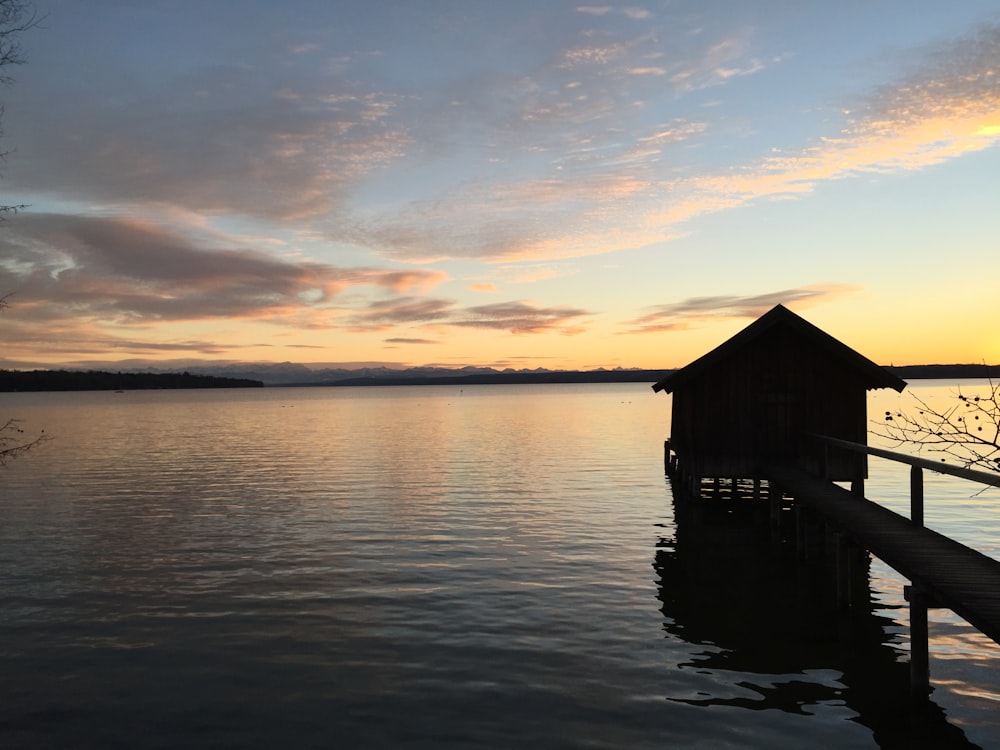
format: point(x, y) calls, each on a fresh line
point(288, 374)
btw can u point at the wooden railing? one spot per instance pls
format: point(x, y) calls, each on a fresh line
point(917, 466)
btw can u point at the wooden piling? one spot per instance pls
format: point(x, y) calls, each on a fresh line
point(842, 570)
point(920, 671)
point(801, 533)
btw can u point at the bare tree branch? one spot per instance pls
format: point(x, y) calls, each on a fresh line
point(12, 442)
point(16, 17)
point(967, 430)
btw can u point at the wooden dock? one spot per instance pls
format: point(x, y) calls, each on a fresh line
point(948, 573)
point(843, 527)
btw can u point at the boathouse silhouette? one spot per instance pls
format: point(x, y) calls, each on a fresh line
point(754, 400)
point(784, 403)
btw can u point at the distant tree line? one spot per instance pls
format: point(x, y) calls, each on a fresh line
point(95, 380)
point(934, 372)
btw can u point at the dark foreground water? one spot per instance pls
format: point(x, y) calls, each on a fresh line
point(430, 567)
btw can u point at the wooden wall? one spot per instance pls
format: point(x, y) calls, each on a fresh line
point(755, 406)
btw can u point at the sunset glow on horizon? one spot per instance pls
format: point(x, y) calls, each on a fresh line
point(522, 185)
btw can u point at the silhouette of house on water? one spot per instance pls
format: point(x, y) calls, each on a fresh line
point(753, 399)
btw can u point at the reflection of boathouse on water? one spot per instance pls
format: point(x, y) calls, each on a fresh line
point(738, 609)
point(751, 400)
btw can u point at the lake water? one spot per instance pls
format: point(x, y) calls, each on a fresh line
point(488, 566)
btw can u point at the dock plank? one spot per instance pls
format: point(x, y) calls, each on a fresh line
point(958, 577)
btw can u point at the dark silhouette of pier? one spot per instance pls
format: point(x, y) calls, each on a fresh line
point(745, 606)
point(948, 573)
point(942, 571)
point(819, 520)
point(779, 413)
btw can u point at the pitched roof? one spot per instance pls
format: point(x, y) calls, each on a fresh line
point(875, 375)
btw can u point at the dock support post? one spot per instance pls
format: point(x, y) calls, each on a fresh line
point(775, 502)
point(850, 571)
point(920, 671)
point(842, 570)
point(917, 495)
point(775, 505)
point(859, 585)
point(802, 536)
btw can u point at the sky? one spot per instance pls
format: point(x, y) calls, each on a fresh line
point(510, 184)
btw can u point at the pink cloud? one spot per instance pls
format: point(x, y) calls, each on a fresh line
point(684, 314)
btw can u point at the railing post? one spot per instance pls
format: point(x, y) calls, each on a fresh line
point(917, 495)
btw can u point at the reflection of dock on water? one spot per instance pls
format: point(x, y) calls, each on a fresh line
point(774, 628)
point(942, 571)
point(778, 413)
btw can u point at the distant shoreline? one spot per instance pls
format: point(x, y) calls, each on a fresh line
point(509, 378)
point(937, 372)
point(97, 380)
point(908, 372)
point(93, 380)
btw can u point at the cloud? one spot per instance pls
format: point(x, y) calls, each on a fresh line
point(949, 107)
point(614, 190)
point(483, 287)
point(292, 134)
point(576, 151)
point(637, 14)
point(129, 272)
point(593, 201)
point(649, 70)
point(715, 63)
point(515, 317)
point(684, 314)
point(521, 317)
point(385, 314)
point(411, 341)
point(226, 138)
point(31, 329)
